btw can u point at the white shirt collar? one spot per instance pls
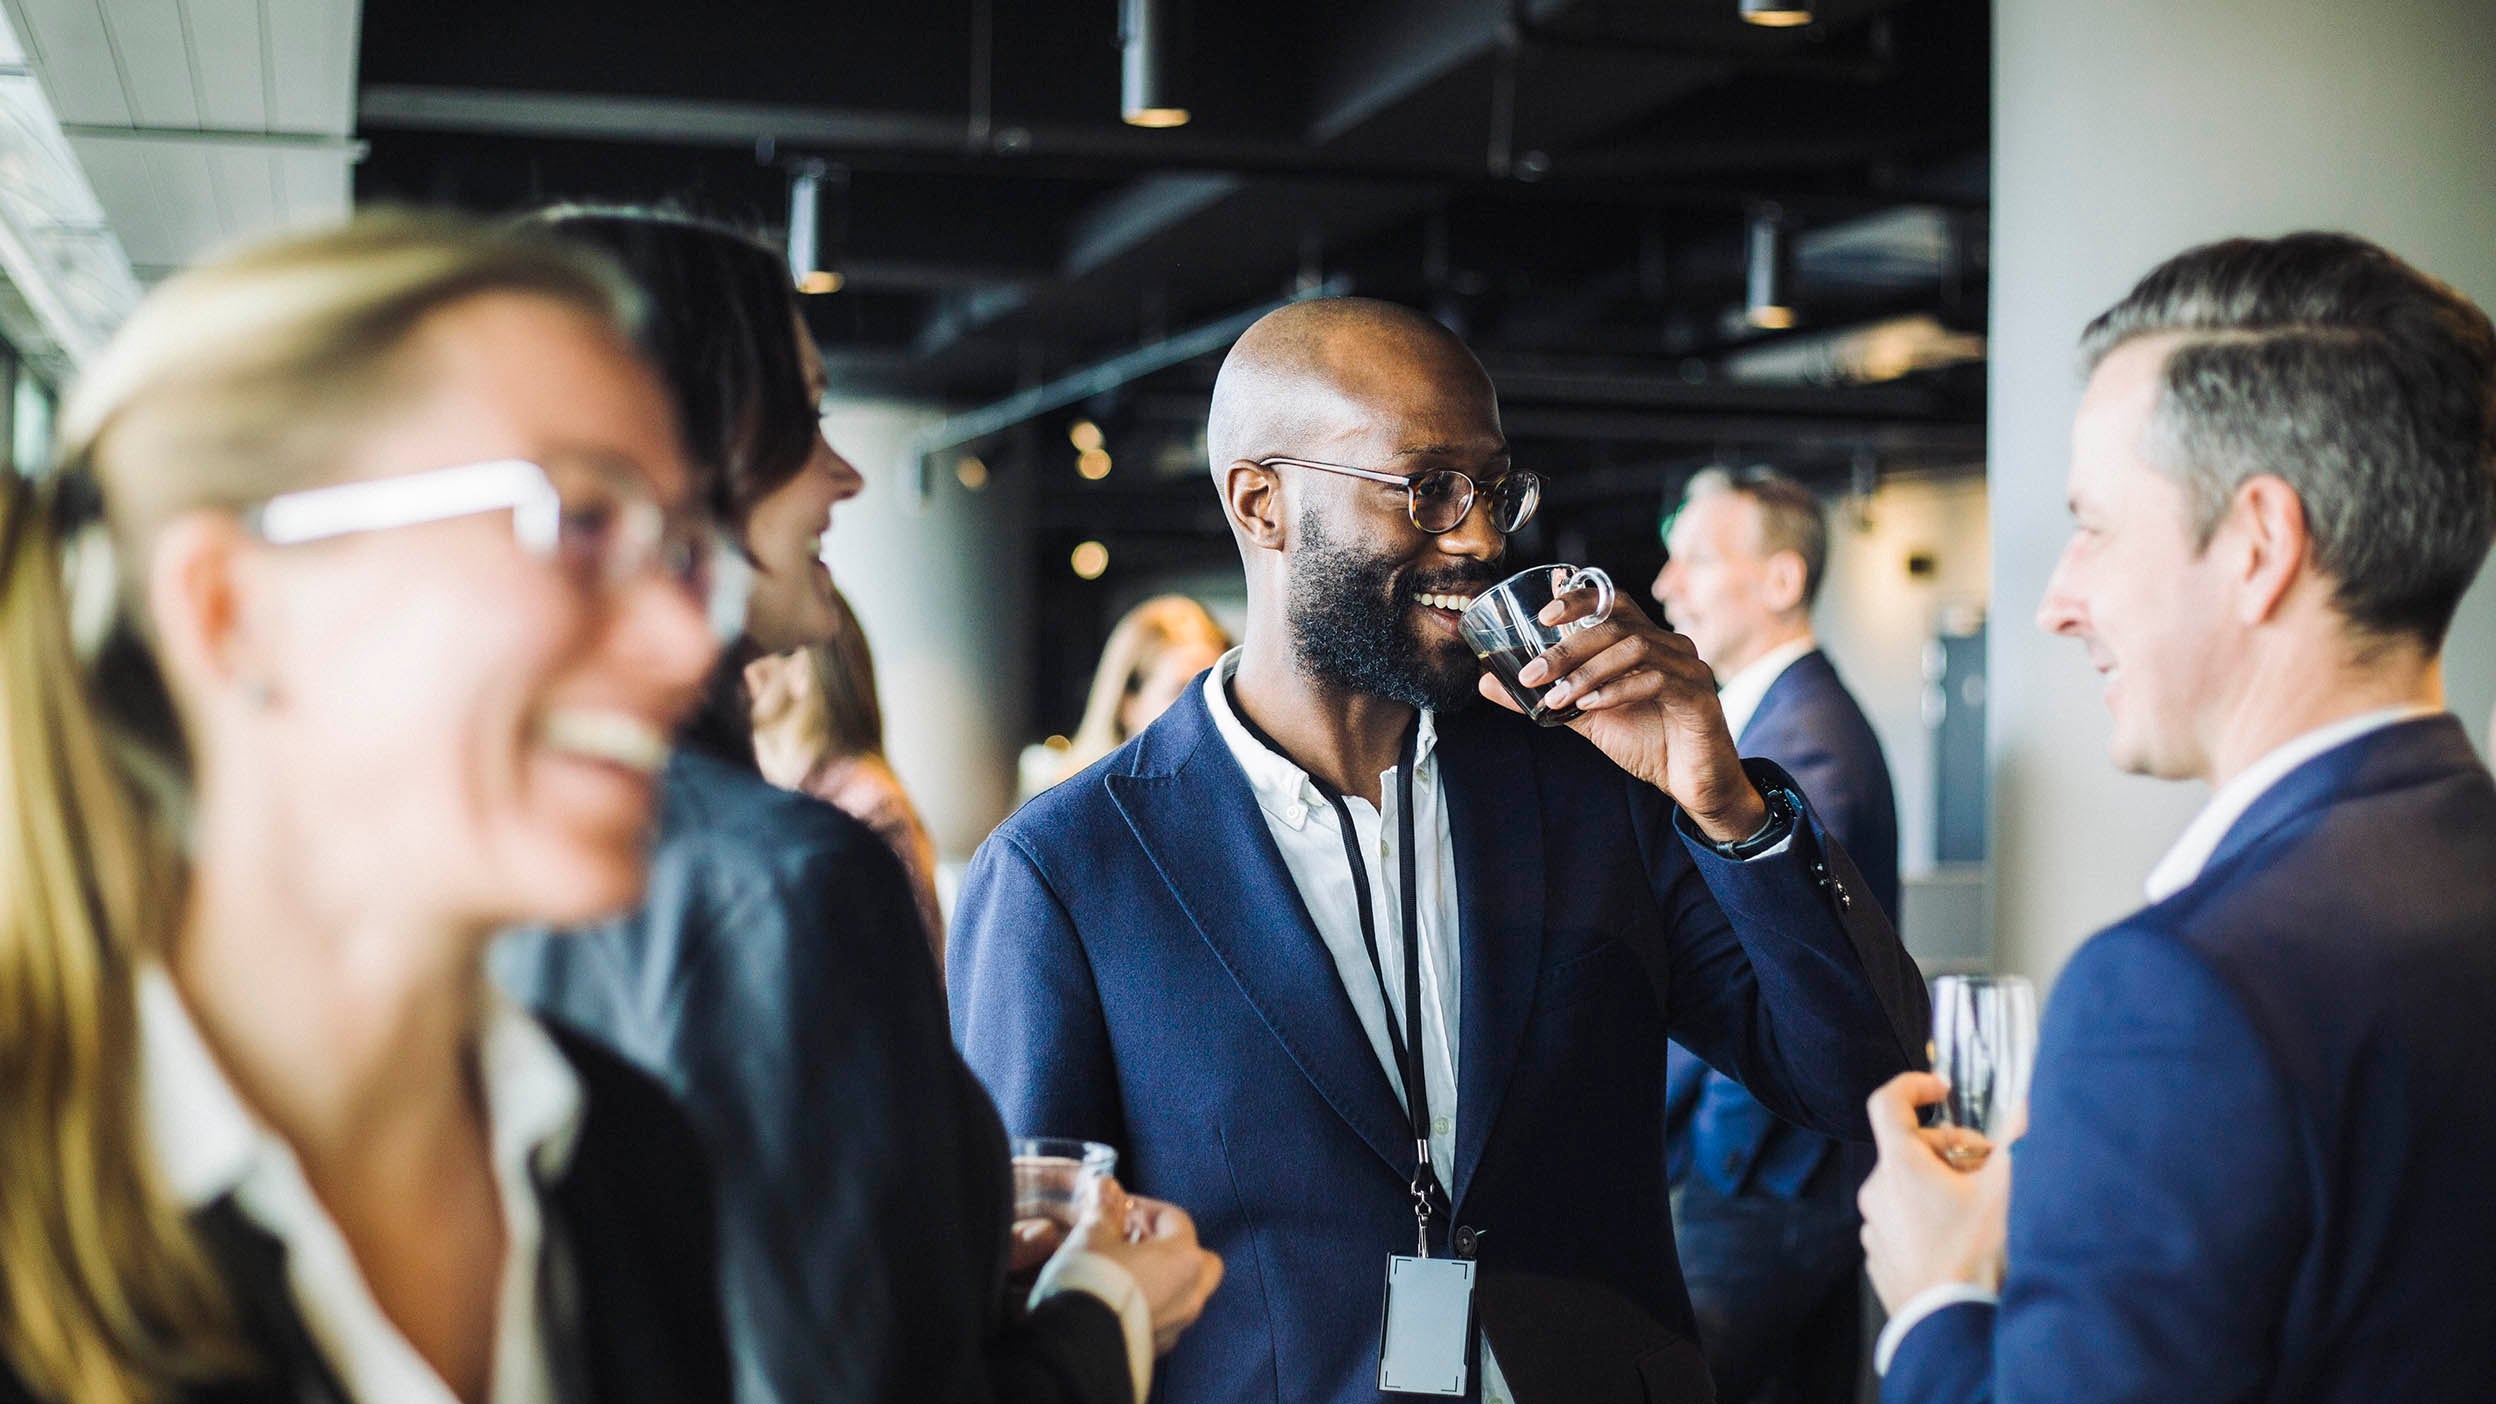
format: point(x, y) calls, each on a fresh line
point(1742, 693)
point(2228, 803)
point(1284, 790)
point(209, 1143)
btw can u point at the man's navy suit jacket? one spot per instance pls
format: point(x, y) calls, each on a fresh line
point(2261, 1162)
point(1132, 963)
point(1808, 723)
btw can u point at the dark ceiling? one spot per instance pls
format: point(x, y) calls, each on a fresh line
point(1565, 182)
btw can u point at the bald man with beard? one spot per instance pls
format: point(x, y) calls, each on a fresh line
point(1196, 949)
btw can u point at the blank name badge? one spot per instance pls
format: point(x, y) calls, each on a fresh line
point(1428, 1320)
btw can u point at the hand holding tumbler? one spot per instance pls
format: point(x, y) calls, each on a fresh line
point(1984, 1046)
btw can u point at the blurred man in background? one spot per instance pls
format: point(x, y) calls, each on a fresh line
point(1764, 1211)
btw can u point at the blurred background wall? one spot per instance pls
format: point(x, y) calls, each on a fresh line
point(2125, 130)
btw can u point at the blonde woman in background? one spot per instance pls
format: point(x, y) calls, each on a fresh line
point(398, 608)
point(1157, 648)
point(819, 730)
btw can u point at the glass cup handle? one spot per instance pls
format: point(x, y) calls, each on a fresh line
point(1602, 584)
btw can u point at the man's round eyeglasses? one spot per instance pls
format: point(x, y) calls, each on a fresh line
point(1438, 500)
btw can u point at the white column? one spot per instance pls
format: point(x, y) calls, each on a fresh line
point(2125, 131)
point(941, 592)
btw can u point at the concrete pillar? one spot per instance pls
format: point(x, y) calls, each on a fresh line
point(2124, 131)
point(940, 591)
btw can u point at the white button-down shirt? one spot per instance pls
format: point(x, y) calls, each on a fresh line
point(1305, 829)
point(209, 1144)
point(2175, 872)
point(1741, 694)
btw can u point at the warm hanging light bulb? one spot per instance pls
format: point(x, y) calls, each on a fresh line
point(1777, 14)
point(806, 260)
point(1769, 271)
point(1147, 94)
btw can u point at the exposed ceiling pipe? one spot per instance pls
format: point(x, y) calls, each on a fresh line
point(887, 140)
point(1099, 378)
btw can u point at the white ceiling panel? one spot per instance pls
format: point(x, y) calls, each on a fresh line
point(312, 47)
point(247, 185)
point(126, 188)
point(315, 187)
point(194, 123)
point(186, 189)
point(228, 45)
point(67, 42)
point(151, 38)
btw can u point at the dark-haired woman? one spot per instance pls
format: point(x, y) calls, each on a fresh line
point(777, 980)
point(395, 594)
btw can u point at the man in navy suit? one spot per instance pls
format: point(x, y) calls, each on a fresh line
point(1197, 949)
point(2263, 1127)
point(1764, 1211)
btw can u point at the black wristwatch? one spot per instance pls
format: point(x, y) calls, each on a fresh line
point(1783, 805)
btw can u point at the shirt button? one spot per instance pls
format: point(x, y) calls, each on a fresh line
point(1439, 1126)
point(1297, 815)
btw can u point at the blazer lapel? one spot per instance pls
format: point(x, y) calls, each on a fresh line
point(2402, 753)
point(1494, 823)
point(1199, 824)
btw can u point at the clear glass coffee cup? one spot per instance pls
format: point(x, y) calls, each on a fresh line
point(1503, 626)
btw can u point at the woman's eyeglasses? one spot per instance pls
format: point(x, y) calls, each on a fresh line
point(1438, 500)
point(607, 531)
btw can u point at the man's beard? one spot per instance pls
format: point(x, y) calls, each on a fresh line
point(1350, 625)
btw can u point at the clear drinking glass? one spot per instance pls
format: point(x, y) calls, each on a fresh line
point(1055, 1181)
point(1984, 1046)
point(1502, 628)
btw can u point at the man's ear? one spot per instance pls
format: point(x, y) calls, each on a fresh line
point(2268, 519)
point(197, 607)
point(1252, 497)
point(1782, 580)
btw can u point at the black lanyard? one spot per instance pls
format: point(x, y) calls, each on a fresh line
point(1426, 1190)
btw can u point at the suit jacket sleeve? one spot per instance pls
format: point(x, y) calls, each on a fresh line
point(1806, 998)
point(1025, 1010)
point(2157, 1207)
point(807, 1235)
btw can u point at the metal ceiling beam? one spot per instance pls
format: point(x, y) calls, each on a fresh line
point(1096, 379)
point(350, 147)
point(923, 139)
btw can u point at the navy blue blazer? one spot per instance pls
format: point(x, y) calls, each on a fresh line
point(776, 980)
point(1808, 723)
point(1132, 963)
point(2263, 1122)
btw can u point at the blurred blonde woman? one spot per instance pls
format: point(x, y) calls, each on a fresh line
point(385, 604)
point(819, 730)
point(1156, 650)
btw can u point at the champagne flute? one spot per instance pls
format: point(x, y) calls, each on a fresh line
point(1984, 1045)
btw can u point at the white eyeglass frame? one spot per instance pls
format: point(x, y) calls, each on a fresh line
point(413, 499)
point(515, 485)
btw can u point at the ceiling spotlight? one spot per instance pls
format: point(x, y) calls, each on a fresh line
point(1768, 260)
point(1093, 464)
point(1091, 560)
point(1147, 94)
point(1084, 435)
point(1777, 14)
point(808, 259)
